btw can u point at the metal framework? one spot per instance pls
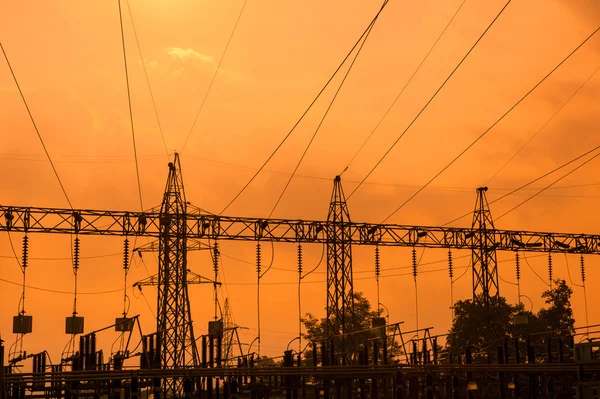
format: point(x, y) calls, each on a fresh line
point(210, 226)
point(483, 255)
point(174, 319)
point(340, 292)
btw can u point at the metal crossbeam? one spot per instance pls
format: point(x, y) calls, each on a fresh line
point(205, 226)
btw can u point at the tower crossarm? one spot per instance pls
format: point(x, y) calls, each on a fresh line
point(208, 226)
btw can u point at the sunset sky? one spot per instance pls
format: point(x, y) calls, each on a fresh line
point(68, 59)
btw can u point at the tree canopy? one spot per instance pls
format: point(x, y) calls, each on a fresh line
point(358, 323)
point(473, 326)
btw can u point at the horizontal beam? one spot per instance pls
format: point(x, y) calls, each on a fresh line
point(209, 226)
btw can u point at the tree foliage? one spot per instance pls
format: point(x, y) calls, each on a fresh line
point(354, 322)
point(485, 330)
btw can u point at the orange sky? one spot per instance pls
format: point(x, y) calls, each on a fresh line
point(67, 57)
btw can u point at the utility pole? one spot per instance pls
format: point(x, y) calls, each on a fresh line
point(174, 319)
point(340, 302)
point(483, 255)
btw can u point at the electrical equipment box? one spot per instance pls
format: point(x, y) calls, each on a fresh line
point(124, 324)
point(22, 324)
point(74, 325)
point(586, 352)
point(521, 319)
point(378, 325)
point(378, 322)
point(215, 328)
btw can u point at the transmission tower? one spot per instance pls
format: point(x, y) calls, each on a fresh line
point(174, 320)
point(483, 255)
point(339, 264)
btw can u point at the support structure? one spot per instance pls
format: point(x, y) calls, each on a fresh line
point(174, 320)
point(483, 254)
point(340, 292)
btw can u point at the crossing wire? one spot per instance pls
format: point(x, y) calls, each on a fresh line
point(530, 183)
point(543, 126)
point(62, 187)
point(548, 186)
point(214, 75)
point(430, 100)
point(406, 85)
point(366, 37)
point(147, 79)
point(289, 133)
point(492, 126)
point(137, 169)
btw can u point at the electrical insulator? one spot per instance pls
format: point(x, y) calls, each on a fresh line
point(300, 258)
point(76, 254)
point(414, 260)
point(450, 268)
point(550, 268)
point(258, 257)
point(216, 257)
point(25, 251)
point(377, 268)
point(126, 254)
point(582, 270)
point(518, 266)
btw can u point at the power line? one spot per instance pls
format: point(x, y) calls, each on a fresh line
point(147, 79)
point(399, 185)
point(289, 133)
point(406, 84)
point(35, 126)
point(214, 75)
point(534, 272)
point(493, 124)
point(543, 189)
point(530, 183)
point(137, 169)
point(366, 37)
point(543, 126)
point(430, 100)
point(59, 291)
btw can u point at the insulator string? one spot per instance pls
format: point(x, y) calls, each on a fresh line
point(550, 269)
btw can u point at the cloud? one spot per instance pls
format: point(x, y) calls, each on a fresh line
point(189, 54)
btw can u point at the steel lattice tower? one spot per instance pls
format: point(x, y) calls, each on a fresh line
point(339, 264)
point(483, 255)
point(174, 320)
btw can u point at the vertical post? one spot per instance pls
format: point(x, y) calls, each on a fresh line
point(374, 393)
point(2, 386)
point(501, 373)
point(340, 303)
point(468, 361)
point(483, 257)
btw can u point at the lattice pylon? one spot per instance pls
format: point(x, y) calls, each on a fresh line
point(174, 320)
point(483, 255)
point(339, 265)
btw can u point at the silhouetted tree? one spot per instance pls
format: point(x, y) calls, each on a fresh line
point(358, 323)
point(487, 330)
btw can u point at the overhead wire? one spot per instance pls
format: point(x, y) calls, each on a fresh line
point(534, 272)
point(366, 37)
point(405, 85)
point(62, 187)
point(529, 183)
point(493, 124)
point(429, 101)
point(147, 79)
point(543, 126)
point(137, 169)
point(304, 113)
point(548, 186)
point(212, 81)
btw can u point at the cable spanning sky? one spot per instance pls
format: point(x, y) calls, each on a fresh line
point(264, 62)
